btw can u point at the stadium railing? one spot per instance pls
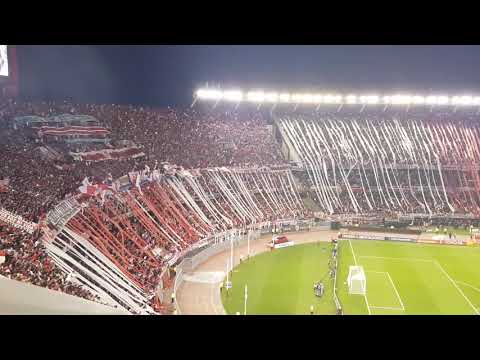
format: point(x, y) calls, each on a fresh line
point(191, 263)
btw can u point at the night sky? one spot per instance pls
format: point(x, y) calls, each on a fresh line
point(167, 75)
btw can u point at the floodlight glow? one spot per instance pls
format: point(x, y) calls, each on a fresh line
point(476, 100)
point(256, 96)
point(418, 100)
point(307, 98)
point(369, 99)
point(296, 98)
point(271, 97)
point(443, 100)
point(260, 96)
point(328, 99)
point(351, 99)
point(233, 95)
point(317, 99)
point(467, 100)
point(332, 99)
point(462, 100)
point(401, 99)
point(205, 94)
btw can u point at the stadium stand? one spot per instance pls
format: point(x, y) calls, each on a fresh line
point(106, 204)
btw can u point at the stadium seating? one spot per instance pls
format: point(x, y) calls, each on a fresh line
point(110, 226)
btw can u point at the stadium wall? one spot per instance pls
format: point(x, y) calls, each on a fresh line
point(20, 298)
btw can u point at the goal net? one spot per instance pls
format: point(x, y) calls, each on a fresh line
point(357, 282)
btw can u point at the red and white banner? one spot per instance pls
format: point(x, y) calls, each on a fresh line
point(72, 130)
point(2, 256)
point(280, 242)
point(4, 184)
point(109, 154)
point(93, 189)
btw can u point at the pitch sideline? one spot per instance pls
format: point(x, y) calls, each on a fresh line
point(456, 286)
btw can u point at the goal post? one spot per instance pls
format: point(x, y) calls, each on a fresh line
point(357, 281)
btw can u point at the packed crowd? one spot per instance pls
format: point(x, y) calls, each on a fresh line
point(227, 185)
point(366, 164)
point(188, 139)
point(37, 182)
point(27, 261)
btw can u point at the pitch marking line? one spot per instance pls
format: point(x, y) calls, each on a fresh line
point(353, 252)
point(355, 260)
point(387, 308)
point(396, 291)
point(456, 286)
point(470, 286)
point(395, 258)
point(394, 288)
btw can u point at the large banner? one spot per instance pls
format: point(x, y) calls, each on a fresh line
point(3, 60)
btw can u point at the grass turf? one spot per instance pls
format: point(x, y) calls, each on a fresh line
point(402, 278)
point(281, 282)
point(421, 278)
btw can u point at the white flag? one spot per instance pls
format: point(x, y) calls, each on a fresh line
point(85, 181)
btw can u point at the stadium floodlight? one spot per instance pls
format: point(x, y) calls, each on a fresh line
point(332, 99)
point(256, 96)
point(351, 99)
point(233, 95)
point(271, 97)
point(462, 100)
point(207, 94)
point(285, 98)
point(443, 100)
point(369, 99)
point(307, 99)
point(260, 96)
point(401, 100)
point(418, 100)
point(296, 98)
point(431, 100)
point(317, 98)
point(337, 99)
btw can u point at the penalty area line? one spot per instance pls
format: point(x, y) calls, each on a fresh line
point(458, 289)
point(470, 286)
point(395, 258)
point(396, 291)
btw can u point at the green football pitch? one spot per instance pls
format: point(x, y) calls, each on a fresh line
point(402, 278)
